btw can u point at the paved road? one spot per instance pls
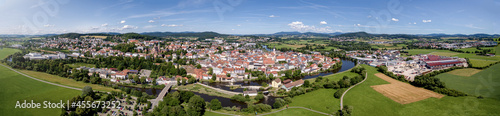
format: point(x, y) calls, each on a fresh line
point(220, 90)
point(342, 98)
point(40, 79)
point(294, 107)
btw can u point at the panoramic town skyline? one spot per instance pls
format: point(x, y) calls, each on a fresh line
point(249, 17)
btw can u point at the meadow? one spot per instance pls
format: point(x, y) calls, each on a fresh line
point(368, 102)
point(320, 100)
point(16, 87)
point(76, 65)
point(483, 83)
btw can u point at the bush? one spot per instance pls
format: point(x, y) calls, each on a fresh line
point(259, 97)
point(338, 93)
point(278, 103)
point(240, 98)
point(215, 104)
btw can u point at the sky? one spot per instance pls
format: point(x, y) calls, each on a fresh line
point(32, 17)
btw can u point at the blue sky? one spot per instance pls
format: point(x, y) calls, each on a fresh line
point(250, 16)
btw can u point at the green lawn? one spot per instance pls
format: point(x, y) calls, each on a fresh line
point(209, 113)
point(295, 112)
point(480, 63)
point(16, 87)
point(4, 52)
point(368, 102)
point(321, 100)
point(484, 83)
point(76, 65)
point(473, 49)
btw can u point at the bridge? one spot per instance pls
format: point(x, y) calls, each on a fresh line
point(162, 94)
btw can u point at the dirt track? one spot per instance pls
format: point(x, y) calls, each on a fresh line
point(401, 92)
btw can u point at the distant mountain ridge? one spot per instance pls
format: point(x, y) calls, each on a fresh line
point(210, 34)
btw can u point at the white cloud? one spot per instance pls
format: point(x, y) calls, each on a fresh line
point(472, 26)
point(238, 25)
point(394, 19)
point(232, 29)
point(323, 23)
point(128, 27)
point(414, 23)
point(105, 24)
point(151, 21)
point(122, 21)
point(171, 25)
point(426, 21)
point(149, 26)
point(48, 25)
point(272, 16)
point(299, 26)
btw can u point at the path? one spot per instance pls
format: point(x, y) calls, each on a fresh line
point(221, 90)
point(41, 80)
point(162, 94)
point(294, 107)
point(342, 97)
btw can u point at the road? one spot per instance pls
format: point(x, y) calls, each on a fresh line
point(342, 98)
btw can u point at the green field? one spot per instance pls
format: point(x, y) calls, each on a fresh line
point(368, 102)
point(4, 52)
point(76, 65)
point(320, 100)
point(66, 81)
point(16, 87)
point(476, 60)
point(473, 49)
point(484, 83)
point(295, 112)
point(480, 63)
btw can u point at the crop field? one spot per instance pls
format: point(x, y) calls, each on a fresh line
point(401, 92)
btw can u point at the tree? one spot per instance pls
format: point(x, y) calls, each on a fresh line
point(264, 84)
point(198, 66)
point(214, 77)
point(196, 106)
point(278, 103)
point(215, 104)
point(307, 83)
point(87, 91)
point(259, 97)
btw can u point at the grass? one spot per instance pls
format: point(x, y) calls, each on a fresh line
point(424, 51)
point(76, 65)
point(202, 89)
point(295, 112)
point(473, 49)
point(336, 76)
point(480, 63)
point(4, 52)
point(321, 100)
point(484, 83)
point(16, 87)
point(464, 72)
point(368, 102)
point(444, 53)
point(66, 81)
point(210, 113)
